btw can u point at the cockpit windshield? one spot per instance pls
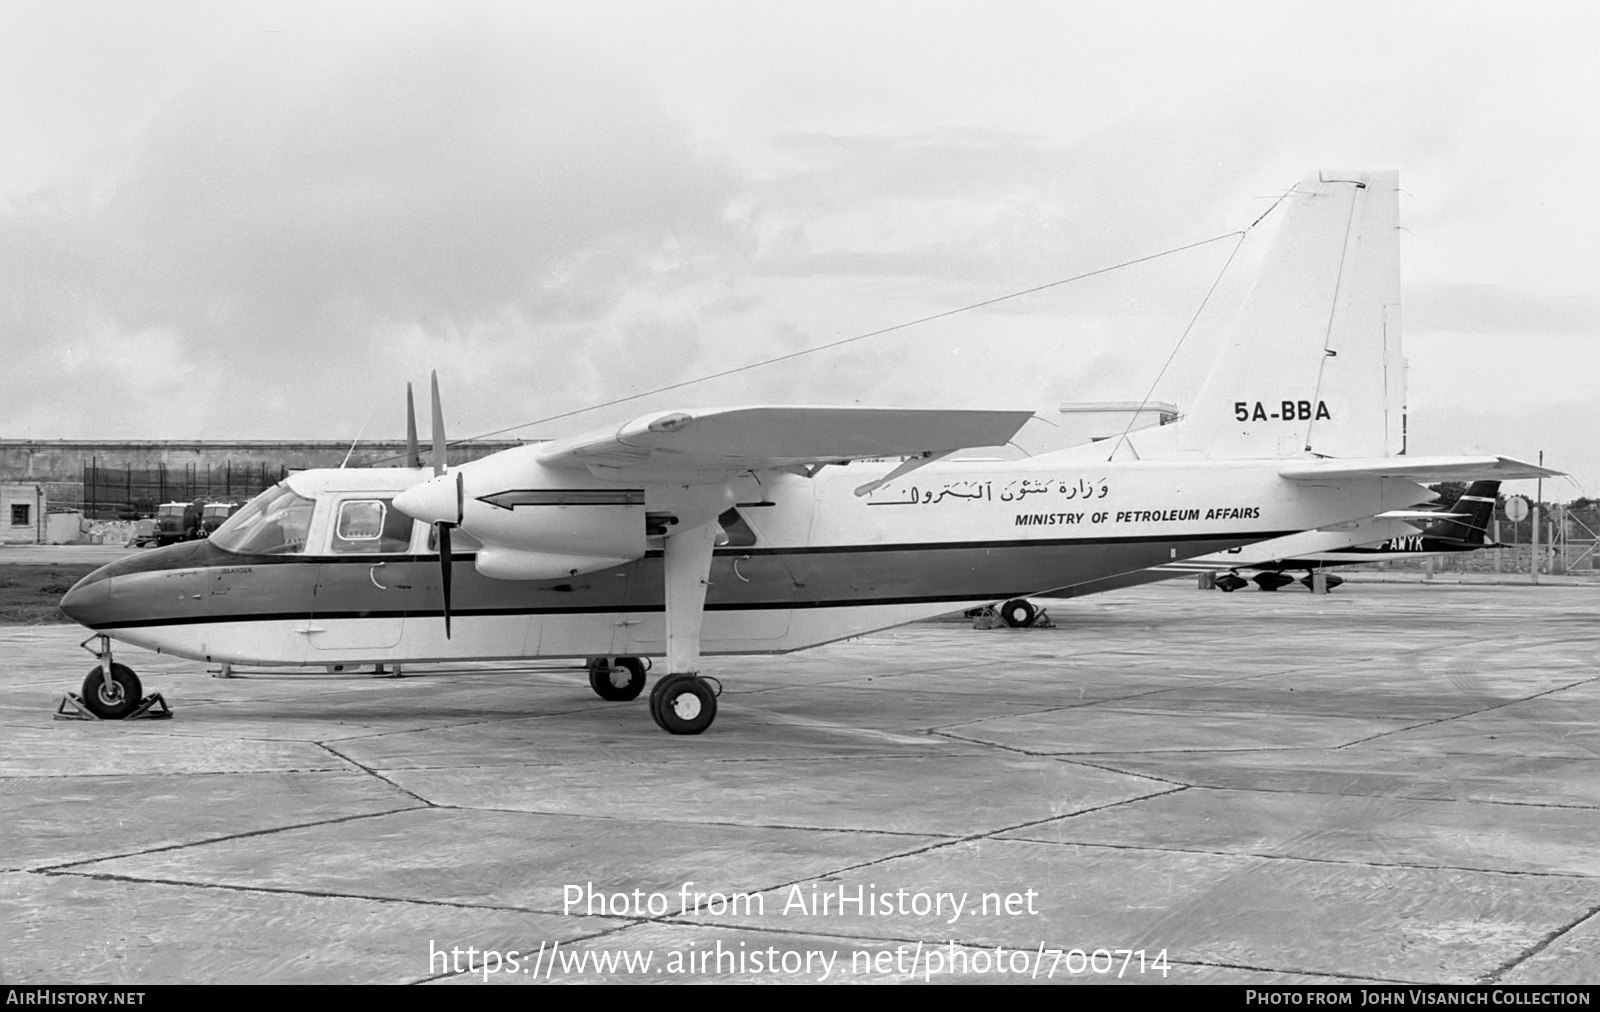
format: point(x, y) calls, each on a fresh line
point(273, 523)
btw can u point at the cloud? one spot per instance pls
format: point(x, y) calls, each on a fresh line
point(1493, 309)
point(302, 208)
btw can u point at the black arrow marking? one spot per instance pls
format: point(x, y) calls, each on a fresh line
point(512, 498)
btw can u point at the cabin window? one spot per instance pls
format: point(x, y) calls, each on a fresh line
point(19, 514)
point(366, 526)
point(273, 523)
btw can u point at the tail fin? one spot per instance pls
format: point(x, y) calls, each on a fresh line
point(1312, 364)
point(1468, 531)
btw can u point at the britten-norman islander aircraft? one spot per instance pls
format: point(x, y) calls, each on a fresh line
point(767, 529)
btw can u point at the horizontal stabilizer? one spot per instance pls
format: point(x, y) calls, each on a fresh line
point(768, 438)
point(1419, 515)
point(1422, 469)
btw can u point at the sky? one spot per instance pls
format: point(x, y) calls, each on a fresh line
point(261, 220)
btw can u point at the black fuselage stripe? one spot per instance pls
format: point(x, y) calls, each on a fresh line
point(214, 587)
point(457, 613)
point(231, 560)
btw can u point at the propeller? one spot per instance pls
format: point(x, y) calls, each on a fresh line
point(413, 454)
point(444, 526)
point(439, 500)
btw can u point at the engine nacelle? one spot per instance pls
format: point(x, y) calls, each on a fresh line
point(501, 563)
point(612, 531)
point(535, 522)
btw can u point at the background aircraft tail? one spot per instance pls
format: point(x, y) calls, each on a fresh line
point(1477, 503)
point(1312, 363)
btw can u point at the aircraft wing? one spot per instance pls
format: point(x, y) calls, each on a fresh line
point(678, 445)
point(1422, 469)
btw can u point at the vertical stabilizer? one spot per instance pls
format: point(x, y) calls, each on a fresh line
point(1474, 512)
point(1312, 364)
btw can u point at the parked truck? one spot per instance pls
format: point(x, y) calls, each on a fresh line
point(214, 513)
point(179, 521)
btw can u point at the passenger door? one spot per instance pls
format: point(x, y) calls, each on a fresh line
point(363, 591)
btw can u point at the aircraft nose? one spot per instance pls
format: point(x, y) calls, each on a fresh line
point(437, 500)
point(87, 603)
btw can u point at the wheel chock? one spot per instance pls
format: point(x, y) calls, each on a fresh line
point(78, 710)
point(151, 707)
point(989, 618)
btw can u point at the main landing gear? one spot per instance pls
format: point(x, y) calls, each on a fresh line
point(1270, 580)
point(682, 701)
point(679, 704)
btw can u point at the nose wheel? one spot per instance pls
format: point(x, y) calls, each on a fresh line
point(684, 704)
point(113, 699)
point(111, 691)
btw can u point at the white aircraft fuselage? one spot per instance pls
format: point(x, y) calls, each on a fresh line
point(823, 563)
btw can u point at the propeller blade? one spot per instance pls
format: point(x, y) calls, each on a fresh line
point(438, 428)
point(444, 572)
point(413, 453)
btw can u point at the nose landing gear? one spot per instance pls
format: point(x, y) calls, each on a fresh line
point(111, 691)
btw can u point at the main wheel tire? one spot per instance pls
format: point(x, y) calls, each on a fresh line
point(1230, 582)
point(1018, 614)
point(617, 682)
point(1272, 579)
point(683, 704)
point(117, 701)
point(655, 695)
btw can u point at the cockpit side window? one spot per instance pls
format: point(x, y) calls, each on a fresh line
point(370, 526)
point(273, 523)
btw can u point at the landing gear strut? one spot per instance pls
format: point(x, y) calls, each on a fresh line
point(683, 702)
point(616, 678)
